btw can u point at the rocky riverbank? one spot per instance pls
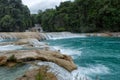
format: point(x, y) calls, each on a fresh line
point(31, 51)
point(43, 36)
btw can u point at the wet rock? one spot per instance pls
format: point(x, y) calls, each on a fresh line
point(38, 74)
point(3, 60)
point(22, 35)
point(42, 55)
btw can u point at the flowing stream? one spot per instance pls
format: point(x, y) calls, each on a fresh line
point(96, 57)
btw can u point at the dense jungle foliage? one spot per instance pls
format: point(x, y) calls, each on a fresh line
point(77, 16)
point(14, 16)
point(82, 16)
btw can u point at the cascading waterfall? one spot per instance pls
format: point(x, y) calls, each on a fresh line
point(40, 36)
point(7, 36)
point(63, 74)
point(62, 35)
point(49, 35)
point(59, 72)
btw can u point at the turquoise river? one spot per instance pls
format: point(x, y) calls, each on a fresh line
point(97, 58)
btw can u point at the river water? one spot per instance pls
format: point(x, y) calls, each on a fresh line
point(97, 58)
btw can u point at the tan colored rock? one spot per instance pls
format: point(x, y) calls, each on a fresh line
point(22, 41)
point(36, 74)
point(50, 56)
point(21, 35)
point(106, 34)
point(43, 53)
point(3, 60)
point(30, 42)
point(11, 64)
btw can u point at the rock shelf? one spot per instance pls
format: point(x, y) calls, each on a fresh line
point(36, 51)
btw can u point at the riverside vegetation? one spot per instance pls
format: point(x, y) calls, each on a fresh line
point(82, 16)
point(76, 16)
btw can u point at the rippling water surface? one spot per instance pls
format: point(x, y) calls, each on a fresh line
point(96, 57)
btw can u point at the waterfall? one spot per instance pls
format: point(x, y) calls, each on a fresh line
point(59, 72)
point(50, 35)
point(62, 35)
point(7, 36)
point(40, 36)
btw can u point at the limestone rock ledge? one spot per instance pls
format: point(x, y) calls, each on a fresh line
point(42, 55)
point(22, 35)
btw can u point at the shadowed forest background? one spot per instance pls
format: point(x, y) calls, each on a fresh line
point(78, 16)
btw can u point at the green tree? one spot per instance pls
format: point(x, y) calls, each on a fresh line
point(83, 16)
point(7, 23)
point(17, 12)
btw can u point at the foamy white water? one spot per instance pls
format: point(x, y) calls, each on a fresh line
point(86, 54)
point(62, 35)
point(79, 73)
point(83, 73)
point(92, 70)
point(10, 47)
point(72, 52)
point(60, 72)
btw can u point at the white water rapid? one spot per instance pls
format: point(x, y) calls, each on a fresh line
point(61, 35)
